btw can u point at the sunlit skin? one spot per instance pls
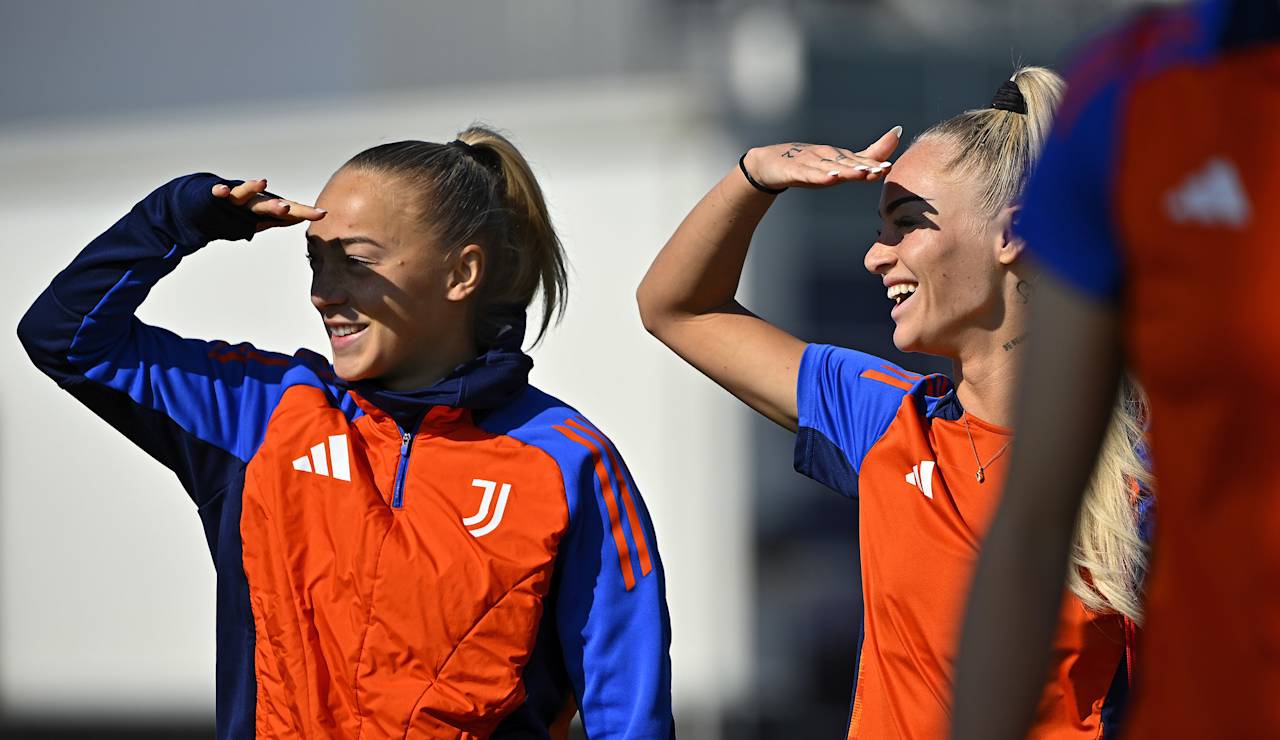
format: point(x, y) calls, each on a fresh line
point(377, 271)
point(966, 307)
point(965, 260)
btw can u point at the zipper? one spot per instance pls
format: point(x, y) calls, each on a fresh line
point(397, 491)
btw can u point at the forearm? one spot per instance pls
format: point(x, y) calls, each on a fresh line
point(92, 301)
point(687, 299)
point(699, 269)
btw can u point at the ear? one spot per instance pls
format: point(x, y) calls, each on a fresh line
point(466, 269)
point(1008, 244)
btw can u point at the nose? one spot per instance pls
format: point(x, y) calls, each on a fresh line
point(327, 289)
point(880, 258)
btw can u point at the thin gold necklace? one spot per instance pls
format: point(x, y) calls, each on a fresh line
point(982, 467)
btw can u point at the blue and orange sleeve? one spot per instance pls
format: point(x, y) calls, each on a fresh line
point(1067, 218)
point(608, 602)
point(196, 406)
point(846, 401)
point(611, 610)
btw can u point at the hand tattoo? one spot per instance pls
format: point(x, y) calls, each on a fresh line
point(793, 151)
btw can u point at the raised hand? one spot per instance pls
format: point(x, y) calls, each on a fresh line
point(274, 210)
point(819, 165)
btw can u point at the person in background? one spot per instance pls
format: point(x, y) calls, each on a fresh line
point(925, 455)
point(411, 541)
point(1152, 192)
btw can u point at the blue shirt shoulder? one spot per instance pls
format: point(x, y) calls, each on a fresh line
point(846, 401)
point(1069, 218)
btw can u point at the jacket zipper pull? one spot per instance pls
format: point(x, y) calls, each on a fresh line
point(397, 492)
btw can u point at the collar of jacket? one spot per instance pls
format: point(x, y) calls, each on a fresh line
point(488, 381)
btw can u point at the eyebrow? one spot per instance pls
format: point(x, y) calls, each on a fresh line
point(346, 241)
point(894, 204)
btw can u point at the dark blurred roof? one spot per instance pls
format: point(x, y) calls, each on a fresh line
point(68, 58)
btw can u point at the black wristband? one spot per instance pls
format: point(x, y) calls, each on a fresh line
point(742, 165)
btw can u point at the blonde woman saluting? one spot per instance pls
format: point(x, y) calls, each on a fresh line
point(925, 455)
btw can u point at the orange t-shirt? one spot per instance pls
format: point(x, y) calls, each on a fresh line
point(903, 445)
point(1153, 190)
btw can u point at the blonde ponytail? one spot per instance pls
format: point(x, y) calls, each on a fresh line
point(999, 148)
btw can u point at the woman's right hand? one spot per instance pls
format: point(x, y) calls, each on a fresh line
point(819, 165)
point(272, 209)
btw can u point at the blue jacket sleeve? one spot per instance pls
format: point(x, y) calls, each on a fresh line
point(188, 403)
point(846, 400)
point(611, 609)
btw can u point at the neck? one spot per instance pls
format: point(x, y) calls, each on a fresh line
point(986, 374)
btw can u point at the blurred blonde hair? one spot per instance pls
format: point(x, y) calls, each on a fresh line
point(1000, 148)
point(1108, 557)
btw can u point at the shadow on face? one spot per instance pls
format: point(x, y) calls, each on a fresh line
point(381, 283)
point(932, 252)
point(900, 201)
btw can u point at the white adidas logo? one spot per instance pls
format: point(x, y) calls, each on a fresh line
point(336, 464)
point(921, 476)
point(1213, 195)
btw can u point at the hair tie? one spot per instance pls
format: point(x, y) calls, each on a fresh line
point(483, 156)
point(1009, 98)
point(464, 146)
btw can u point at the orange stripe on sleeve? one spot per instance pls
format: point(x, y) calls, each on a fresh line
point(902, 373)
point(633, 517)
point(223, 352)
point(611, 503)
point(887, 379)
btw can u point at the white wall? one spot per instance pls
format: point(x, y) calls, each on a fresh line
point(106, 588)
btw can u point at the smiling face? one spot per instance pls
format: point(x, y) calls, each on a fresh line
point(390, 297)
point(942, 260)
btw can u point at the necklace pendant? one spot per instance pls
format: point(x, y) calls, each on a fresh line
point(980, 476)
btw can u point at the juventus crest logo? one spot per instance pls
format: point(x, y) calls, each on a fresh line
point(486, 504)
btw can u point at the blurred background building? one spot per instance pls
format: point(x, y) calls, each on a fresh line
point(629, 111)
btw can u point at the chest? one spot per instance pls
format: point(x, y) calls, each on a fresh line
point(446, 505)
point(922, 508)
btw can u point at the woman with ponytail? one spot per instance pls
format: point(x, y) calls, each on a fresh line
point(924, 455)
point(410, 541)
